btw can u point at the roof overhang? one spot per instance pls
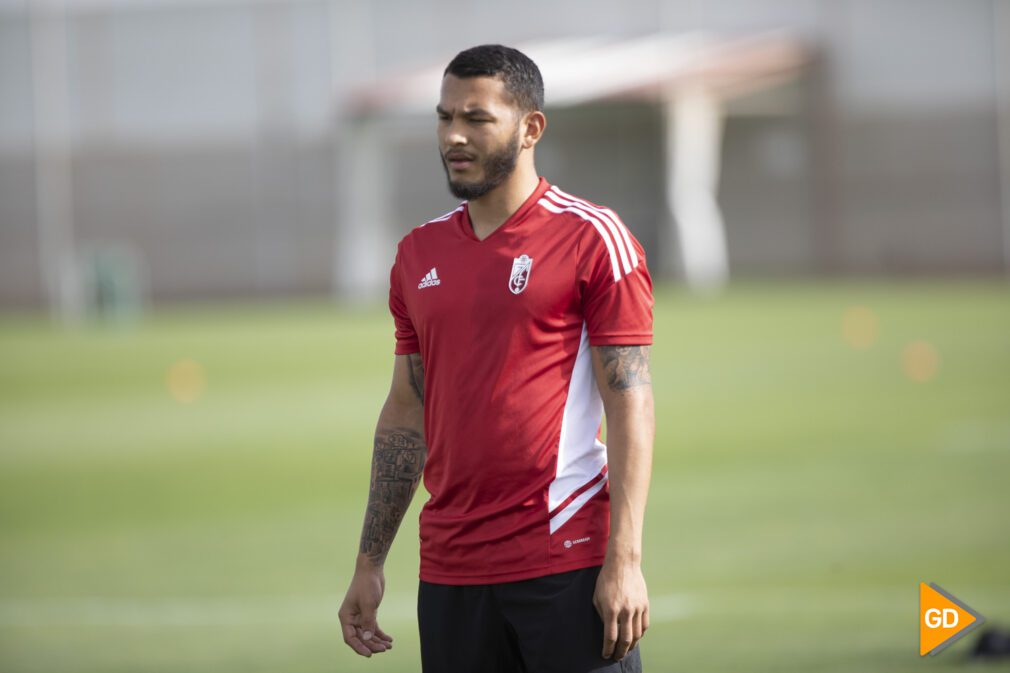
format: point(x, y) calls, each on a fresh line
point(579, 71)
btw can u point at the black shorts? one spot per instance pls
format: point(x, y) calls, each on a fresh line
point(541, 625)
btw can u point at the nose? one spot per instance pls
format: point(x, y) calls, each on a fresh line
point(455, 140)
point(453, 136)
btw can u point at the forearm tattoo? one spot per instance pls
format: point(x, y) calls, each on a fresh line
point(397, 464)
point(416, 375)
point(625, 366)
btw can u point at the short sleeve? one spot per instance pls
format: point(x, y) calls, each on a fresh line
point(406, 337)
point(615, 285)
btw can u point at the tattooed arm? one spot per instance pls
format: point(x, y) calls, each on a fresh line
point(625, 384)
point(397, 463)
point(397, 460)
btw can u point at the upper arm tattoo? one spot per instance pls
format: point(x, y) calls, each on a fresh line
point(416, 375)
point(625, 366)
point(397, 465)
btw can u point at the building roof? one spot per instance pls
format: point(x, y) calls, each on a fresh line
point(577, 71)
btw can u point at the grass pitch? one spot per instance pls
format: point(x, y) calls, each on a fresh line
point(186, 495)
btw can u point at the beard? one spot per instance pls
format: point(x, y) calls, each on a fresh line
point(497, 167)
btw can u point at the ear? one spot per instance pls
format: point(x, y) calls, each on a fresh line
point(532, 125)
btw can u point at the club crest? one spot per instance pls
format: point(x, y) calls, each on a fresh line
point(520, 276)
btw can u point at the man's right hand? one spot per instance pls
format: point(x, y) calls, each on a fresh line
point(357, 613)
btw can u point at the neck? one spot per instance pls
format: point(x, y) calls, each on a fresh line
point(492, 210)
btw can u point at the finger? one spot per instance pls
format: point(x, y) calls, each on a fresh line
point(385, 641)
point(636, 630)
point(351, 638)
point(359, 647)
point(377, 636)
point(645, 620)
point(371, 641)
point(367, 625)
point(382, 634)
point(609, 634)
point(625, 637)
point(376, 646)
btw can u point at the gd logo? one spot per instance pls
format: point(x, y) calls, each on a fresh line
point(943, 619)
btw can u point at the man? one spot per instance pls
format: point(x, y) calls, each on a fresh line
point(521, 317)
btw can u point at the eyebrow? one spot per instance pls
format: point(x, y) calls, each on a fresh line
point(476, 112)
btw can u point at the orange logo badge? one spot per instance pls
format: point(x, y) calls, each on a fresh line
point(943, 619)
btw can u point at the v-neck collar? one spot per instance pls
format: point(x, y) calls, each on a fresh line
point(466, 225)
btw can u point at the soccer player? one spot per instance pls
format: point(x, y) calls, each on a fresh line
point(521, 317)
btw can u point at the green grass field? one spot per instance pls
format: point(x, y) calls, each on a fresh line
point(802, 487)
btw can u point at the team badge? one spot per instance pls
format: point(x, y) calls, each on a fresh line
point(520, 277)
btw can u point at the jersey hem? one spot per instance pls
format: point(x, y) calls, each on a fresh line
point(514, 576)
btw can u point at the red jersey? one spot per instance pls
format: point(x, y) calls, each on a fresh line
point(516, 470)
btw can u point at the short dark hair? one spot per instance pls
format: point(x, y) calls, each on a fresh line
point(519, 73)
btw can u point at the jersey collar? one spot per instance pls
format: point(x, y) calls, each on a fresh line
point(467, 227)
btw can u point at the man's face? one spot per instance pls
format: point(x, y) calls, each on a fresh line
point(478, 134)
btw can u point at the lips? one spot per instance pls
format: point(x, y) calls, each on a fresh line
point(458, 160)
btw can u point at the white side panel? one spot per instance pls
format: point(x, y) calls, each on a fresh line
point(581, 456)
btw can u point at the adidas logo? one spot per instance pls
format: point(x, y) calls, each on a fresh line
point(431, 278)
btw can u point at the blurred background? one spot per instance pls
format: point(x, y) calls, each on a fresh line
point(199, 206)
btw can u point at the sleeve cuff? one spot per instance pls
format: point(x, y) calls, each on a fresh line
point(620, 339)
point(406, 348)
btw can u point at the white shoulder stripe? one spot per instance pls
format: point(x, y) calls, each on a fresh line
point(442, 218)
point(596, 224)
point(609, 223)
point(606, 212)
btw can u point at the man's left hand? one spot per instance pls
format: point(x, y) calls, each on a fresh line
point(622, 601)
